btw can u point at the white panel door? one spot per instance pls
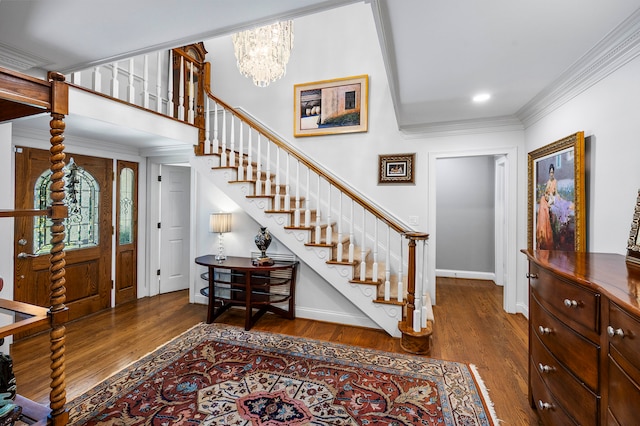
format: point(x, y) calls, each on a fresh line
point(174, 229)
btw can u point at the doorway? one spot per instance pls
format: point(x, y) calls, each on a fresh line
point(507, 247)
point(175, 196)
point(88, 231)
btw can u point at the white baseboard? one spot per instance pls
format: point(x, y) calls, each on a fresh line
point(317, 314)
point(334, 317)
point(474, 275)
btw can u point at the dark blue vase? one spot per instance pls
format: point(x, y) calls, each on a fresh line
point(263, 240)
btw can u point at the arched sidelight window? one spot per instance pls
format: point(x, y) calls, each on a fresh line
point(82, 199)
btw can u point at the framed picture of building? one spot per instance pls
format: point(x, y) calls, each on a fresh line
point(331, 106)
point(556, 199)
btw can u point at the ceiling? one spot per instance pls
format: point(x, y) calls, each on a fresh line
point(438, 53)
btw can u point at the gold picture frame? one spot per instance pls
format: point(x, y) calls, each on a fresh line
point(556, 203)
point(396, 168)
point(331, 106)
point(633, 244)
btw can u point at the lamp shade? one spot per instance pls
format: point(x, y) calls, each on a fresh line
point(220, 222)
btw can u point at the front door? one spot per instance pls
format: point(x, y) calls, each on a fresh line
point(88, 231)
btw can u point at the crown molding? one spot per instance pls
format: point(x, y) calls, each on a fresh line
point(463, 127)
point(615, 50)
point(18, 60)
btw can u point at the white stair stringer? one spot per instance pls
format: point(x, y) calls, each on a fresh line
point(386, 316)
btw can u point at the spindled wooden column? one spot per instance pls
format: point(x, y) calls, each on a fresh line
point(57, 311)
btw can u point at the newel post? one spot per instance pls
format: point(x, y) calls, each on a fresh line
point(415, 339)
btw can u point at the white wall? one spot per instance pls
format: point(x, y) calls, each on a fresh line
point(609, 114)
point(465, 215)
point(340, 43)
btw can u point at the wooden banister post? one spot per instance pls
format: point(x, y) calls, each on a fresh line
point(418, 342)
point(58, 312)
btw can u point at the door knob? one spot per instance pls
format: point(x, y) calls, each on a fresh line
point(22, 242)
point(24, 255)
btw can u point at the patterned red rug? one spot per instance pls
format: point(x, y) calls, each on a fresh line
point(221, 375)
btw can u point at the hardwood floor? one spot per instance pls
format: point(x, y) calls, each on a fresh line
point(470, 327)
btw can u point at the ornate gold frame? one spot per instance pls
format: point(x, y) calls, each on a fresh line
point(575, 144)
point(633, 244)
point(329, 94)
point(405, 172)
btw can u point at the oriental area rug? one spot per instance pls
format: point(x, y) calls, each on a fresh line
point(222, 375)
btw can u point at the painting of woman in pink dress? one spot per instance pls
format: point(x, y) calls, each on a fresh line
point(555, 222)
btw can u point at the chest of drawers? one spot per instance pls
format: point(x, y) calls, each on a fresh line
point(584, 338)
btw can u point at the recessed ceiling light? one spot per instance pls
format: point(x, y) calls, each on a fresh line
point(482, 97)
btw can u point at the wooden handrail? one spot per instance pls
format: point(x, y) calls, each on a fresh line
point(391, 222)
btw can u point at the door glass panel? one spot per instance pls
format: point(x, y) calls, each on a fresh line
point(82, 196)
point(126, 206)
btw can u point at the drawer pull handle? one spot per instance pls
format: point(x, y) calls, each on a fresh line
point(544, 330)
point(570, 303)
point(544, 405)
point(545, 368)
point(612, 332)
point(532, 276)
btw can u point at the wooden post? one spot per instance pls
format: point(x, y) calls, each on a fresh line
point(417, 342)
point(58, 311)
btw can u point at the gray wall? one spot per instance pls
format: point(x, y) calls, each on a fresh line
point(465, 210)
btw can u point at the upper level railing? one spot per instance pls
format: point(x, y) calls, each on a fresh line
point(181, 79)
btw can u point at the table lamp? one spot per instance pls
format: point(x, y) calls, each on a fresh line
point(220, 223)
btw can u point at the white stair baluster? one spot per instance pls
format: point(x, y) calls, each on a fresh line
point(296, 214)
point(307, 211)
point(232, 148)
point(287, 195)
point(181, 91)
point(131, 91)
point(97, 80)
point(363, 250)
point(351, 253)
point(159, 83)
point(223, 148)
point(277, 201)
point(216, 142)
point(258, 190)
point(191, 95)
point(267, 178)
point(400, 296)
point(340, 245)
point(115, 84)
point(207, 130)
point(249, 157)
point(170, 104)
point(374, 275)
point(145, 82)
point(318, 233)
point(76, 78)
point(387, 267)
point(241, 153)
point(329, 230)
point(427, 312)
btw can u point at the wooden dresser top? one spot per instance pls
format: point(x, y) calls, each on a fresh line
point(608, 273)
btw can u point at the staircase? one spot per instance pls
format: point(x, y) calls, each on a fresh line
point(368, 255)
point(353, 244)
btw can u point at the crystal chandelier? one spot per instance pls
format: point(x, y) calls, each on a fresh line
point(262, 53)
